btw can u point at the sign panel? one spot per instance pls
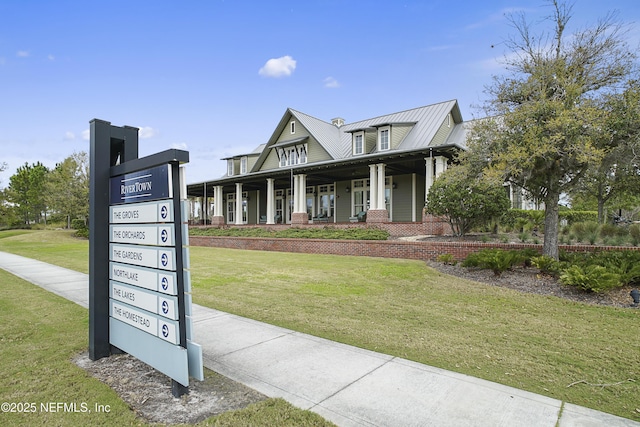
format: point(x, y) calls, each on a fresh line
point(153, 280)
point(143, 256)
point(150, 323)
point(141, 186)
point(161, 211)
point(154, 302)
point(143, 234)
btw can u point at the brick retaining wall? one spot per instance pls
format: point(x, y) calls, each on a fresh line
point(420, 250)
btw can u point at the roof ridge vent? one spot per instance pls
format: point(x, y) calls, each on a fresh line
point(338, 122)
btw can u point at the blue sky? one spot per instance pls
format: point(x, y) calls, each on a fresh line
point(215, 77)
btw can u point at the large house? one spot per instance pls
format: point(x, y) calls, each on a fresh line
point(376, 170)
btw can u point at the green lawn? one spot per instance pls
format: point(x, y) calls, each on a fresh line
point(403, 308)
point(40, 333)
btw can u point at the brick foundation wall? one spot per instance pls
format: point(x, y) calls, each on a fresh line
point(421, 250)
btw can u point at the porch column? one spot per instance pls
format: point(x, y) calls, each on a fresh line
point(380, 202)
point(238, 203)
point(299, 215)
point(441, 165)
point(217, 218)
point(428, 161)
point(373, 188)
point(377, 212)
point(271, 212)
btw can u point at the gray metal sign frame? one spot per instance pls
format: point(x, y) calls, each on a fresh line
point(114, 152)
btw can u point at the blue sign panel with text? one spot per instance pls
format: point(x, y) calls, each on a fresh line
point(141, 186)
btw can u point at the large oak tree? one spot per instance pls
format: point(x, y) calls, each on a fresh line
point(544, 141)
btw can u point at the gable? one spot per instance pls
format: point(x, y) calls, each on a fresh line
point(291, 136)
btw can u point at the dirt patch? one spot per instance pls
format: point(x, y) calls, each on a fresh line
point(148, 392)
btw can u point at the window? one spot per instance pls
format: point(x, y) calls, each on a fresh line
point(358, 143)
point(230, 167)
point(326, 200)
point(243, 165)
point(448, 120)
point(293, 156)
point(383, 139)
point(360, 194)
point(293, 127)
point(303, 155)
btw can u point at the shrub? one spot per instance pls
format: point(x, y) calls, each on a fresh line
point(547, 265)
point(78, 224)
point(591, 229)
point(593, 278)
point(495, 260)
point(447, 259)
point(634, 232)
point(608, 230)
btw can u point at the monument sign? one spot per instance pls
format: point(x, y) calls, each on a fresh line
point(139, 289)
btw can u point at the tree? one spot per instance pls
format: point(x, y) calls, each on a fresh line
point(544, 141)
point(68, 187)
point(26, 192)
point(617, 178)
point(466, 199)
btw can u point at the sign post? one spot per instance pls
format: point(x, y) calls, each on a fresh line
point(137, 262)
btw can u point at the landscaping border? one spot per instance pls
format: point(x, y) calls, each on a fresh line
point(419, 250)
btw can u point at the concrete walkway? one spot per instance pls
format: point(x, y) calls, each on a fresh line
point(346, 385)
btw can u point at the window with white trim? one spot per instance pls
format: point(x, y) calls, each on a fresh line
point(383, 138)
point(360, 196)
point(302, 157)
point(230, 167)
point(293, 155)
point(358, 143)
point(293, 127)
point(243, 165)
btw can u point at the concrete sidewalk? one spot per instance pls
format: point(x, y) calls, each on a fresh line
point(346, 385)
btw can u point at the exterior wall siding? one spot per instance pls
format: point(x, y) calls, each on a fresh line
point(443, 132)
point(402, 198)
point(398, 132)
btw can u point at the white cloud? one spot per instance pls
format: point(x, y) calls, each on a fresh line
point(147, 132)
point(86, 135)
point(278, 67)
point(23, 53)
point(69, 136)
point(330, 82)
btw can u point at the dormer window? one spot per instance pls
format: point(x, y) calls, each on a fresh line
point(230, 167)
point(283, 158)
point(243, 165)
point(293, 127)
point(293, 155)
point(383, 138)
point(358, 143)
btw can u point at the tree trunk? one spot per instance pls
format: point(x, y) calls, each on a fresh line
point(550, 245)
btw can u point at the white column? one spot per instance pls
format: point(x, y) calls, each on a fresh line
point(238, 203)
point(441, 165)
point(414, 195)
point(271, 212)
point(296, 192)
point(373, 188)
point(303, 196)
point(428, 161)
point(381, 187)
point(219, 203)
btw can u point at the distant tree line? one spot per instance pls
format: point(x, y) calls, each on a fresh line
point(36, 194)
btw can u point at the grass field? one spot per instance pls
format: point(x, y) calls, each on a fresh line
point(581, 354)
